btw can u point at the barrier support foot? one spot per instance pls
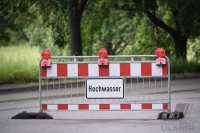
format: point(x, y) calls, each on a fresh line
point(32, 115)
point(170, 115)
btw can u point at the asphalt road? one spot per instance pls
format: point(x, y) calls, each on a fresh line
point(183, 91)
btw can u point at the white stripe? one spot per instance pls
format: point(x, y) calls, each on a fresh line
point(93, 70)
point(72, 107)
point(156, 70)
point(135, 69)
point(72, 70)
point(136, 106)
point(52, 107)
point(93, 107)
point(114, 106)
point(114, 69)
point(157, 106)
point(52, 71)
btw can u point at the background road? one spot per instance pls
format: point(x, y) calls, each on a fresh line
point(183, 91)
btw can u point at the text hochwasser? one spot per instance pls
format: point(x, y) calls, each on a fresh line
point(104, 89)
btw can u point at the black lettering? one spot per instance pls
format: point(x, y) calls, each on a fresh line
point(99, 88)
point(116, 89)
point(108, 89)
point(103, 89)
point(90, 88)
point(93, 89)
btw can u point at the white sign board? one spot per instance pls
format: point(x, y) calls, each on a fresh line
point(100, 88)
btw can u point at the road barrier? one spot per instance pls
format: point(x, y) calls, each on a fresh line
point(125, 82)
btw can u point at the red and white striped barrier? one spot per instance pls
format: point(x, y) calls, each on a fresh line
point(107, 80)
point(74, 107)
point(113, 69)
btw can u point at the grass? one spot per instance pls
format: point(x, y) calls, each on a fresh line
point(19, 64)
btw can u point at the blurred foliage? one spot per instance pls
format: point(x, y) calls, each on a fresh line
point(120, 26)
point(123, 27)
point(109, 28)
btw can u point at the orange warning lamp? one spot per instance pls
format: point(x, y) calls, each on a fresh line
point(160, 53)
point(46, 55)
point(103, 54)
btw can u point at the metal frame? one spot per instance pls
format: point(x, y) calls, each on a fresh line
point(109, 57)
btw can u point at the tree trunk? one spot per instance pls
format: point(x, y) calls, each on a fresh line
point(76, 8)
point(75, 36)
point(74, 26)
point(180, 46)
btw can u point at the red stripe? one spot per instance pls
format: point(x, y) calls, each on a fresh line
point(165, 105)
point(44, 106)
point(104, 70)
point(62, 106)
point(83, 106)
point(146, 69)
point(125, 69)
point(147, 106)
point(61, 70)
point(125, 106)
point(43, 72)
point(104, 106)
point(165, 70)
point(82, 69)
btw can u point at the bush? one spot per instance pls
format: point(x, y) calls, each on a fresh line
point(182, 66)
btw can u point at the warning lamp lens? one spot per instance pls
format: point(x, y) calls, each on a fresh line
point(46, 54)
point(160, 52)
point(103, 53)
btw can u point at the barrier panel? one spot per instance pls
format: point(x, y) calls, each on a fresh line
point(125, 82)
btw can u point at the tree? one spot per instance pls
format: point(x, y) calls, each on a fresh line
point(14, 16)
point(185, 20)
point(55, 16)
point(67, 12)
point(106, 26)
